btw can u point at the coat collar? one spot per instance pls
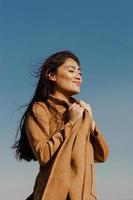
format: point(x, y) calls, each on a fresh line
point(61, 105)
point(63, 102)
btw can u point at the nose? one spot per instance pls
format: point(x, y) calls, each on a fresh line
point(78, 76)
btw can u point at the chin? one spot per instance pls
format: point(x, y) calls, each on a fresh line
point(74, 92)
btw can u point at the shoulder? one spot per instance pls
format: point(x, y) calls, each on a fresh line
point(37, 115)
point(40, 109)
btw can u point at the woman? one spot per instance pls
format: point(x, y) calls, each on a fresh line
point(59, 132)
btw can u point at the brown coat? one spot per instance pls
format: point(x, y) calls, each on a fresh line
point(67, 156)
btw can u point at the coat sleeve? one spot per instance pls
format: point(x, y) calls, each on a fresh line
point(43, 145)
point(101, 149)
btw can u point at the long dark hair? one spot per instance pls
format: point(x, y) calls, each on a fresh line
point(44, 88)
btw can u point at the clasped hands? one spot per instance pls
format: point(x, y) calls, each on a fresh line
point(76, 111)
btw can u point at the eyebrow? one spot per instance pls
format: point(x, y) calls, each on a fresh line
point(73, 67)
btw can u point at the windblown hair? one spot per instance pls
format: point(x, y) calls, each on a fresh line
point(44, 88)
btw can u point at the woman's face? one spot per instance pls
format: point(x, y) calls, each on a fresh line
point(68, 77)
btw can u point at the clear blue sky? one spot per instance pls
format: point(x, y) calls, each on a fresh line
point(101, 34)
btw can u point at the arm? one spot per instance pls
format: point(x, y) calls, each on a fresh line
point(43, 145)
point(101, 149)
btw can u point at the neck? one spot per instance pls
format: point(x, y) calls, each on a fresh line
point(61, 96)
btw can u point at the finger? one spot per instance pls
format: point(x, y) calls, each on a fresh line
point(76, 106)
point(87, 106)
point(79, 108)
point(82, 104)
point(72, 105)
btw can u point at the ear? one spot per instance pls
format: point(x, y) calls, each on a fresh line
point(51, 76)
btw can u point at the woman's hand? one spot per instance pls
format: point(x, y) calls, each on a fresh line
point(75, 112)
point(88, 108)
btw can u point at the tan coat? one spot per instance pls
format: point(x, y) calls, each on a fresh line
point(67, 156)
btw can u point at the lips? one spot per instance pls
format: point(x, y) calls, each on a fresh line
point(77, 83)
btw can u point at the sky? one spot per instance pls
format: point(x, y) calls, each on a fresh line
point(100, 33)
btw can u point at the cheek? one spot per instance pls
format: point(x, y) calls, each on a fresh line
point(64, 80)
point(65, 77)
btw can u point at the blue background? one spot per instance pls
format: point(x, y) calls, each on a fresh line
point(100, 33)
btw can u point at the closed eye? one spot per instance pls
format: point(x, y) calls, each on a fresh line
point(74, 71)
